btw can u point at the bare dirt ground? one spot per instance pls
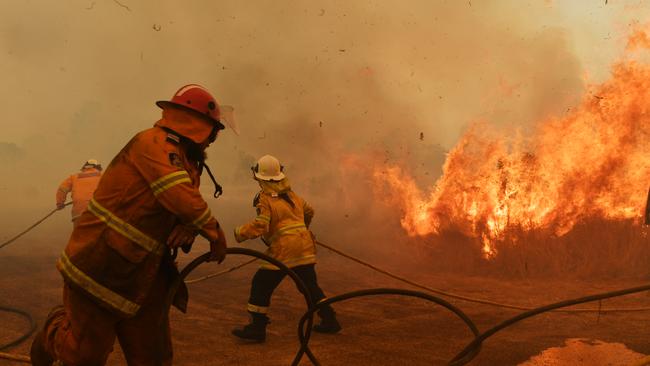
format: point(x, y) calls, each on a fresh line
point(377, 331)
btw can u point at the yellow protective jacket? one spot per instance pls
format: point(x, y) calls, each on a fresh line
point(284, 227)
point(81, 185)
point(118, 246)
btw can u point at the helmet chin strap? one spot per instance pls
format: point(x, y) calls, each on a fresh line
point(218, 190)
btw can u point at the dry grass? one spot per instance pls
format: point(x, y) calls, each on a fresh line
point(593, 249)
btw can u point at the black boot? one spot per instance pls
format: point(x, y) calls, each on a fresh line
point(256, 330)
point(328, 323)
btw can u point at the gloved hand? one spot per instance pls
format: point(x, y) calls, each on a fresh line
point(238, 237)
point(60, 206)
point(218, 247)
point(182, 236)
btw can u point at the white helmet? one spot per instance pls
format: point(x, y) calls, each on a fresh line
point(268, 168)
point(92, 163)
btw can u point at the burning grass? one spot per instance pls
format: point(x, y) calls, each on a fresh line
point(568, 198)
point(608, 250)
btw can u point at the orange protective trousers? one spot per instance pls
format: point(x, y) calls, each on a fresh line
point(84, 334)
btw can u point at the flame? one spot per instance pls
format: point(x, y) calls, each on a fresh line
point(593, 162)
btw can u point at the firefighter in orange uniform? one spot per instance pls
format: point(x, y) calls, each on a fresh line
point(117, 265)
point(282, 221)
point(81, 185)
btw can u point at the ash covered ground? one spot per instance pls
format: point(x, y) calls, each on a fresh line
point(377, 331)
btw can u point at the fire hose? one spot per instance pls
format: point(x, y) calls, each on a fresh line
point(428, 288)
point(304, 326)
point(22, 313)
point(4, 244)
point(304, 348)
point(474, 347)
point(467, 354)
point(306, 321)
point(217, 274)
point(462, 358)
point(27, 334)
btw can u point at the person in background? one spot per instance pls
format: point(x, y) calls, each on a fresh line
point(282, 221)
point(81, 185)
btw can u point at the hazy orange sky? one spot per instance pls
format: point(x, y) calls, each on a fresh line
point(80, 77)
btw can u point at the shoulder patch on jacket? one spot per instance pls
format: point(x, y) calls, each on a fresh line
point(175, 160)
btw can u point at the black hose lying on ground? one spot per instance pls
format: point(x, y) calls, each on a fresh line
point(303, 333)
point(304, 348)
point(462, 358)
point(306, 322)
point(26, 315)
point(20, 339)
point(468, 353)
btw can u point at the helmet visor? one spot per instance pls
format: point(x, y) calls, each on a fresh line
point(228, 118)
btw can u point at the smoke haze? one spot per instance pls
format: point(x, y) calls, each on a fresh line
point(311, 82)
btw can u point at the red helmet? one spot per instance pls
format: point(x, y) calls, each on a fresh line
point(195, 98)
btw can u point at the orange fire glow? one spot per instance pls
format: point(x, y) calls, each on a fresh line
point(593, 162)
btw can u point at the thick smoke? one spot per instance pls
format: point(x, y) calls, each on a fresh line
point(311, 82)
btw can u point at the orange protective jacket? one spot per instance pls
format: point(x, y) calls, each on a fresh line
point(82, 185)
point(119, 243)
point(284, 227)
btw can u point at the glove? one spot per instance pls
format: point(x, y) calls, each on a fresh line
point(218, 247)
point(182, 236)
point(60, 206)
point(238, 237)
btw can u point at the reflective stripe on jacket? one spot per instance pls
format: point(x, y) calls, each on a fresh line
point(118, 245)
point(81, 185)
point(283, 229)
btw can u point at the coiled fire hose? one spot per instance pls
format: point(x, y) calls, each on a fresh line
point(22, 313)
point(306, 321)
point(20, 339)
point(305, 324)
point(304, 348)
point(462, 358)
point(303, 332)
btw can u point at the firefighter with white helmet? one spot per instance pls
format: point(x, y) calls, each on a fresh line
point(283, 219)
point(81, 185)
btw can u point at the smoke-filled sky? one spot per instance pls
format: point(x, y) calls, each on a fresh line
point(310, 81)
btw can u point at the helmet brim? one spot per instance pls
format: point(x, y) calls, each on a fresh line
point(167, 104)
point(278, 177)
